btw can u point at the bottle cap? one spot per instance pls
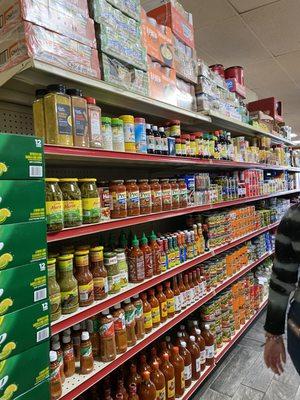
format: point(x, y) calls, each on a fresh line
point(74, 92)
point(105, 312)
point(56, 346)
point(67, 332)
point(127, 301)
point(198, 331)
point(90, 100)
point(60, 88)
point(154, 127)
point(183, 344)
point(135, 241)
point(53, 356)
point(179, 334)
point(76, 327)
point(55, 338)
point(168, 339)
point(144, 239)
point(153, 236)
point(192, 338)
point(175, 350)
point(207, 327)
point(148, 126)
point(136, 296)
point(117, 306)
point(161, 129)
point(85, 335)
point(66, 339)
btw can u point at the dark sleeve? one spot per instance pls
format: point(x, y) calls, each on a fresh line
point(285, 273)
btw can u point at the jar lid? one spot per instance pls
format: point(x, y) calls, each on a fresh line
point(66, 257)
point(118, 181)
point(130, 181)
point(139, 120)
point(53, 356)
point(97, 248)
point(154, 180)
point(127, 119)
point(51, 179)
point(51, 261)
point(74, 92)
point(68, 179)
point(85, 335)
point(90, 100)
point(87, 180)
point(59, 88)
point(81, 253)
point(143, 181)
point(106, 120)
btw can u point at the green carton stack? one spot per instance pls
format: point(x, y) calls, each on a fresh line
point(24, 307)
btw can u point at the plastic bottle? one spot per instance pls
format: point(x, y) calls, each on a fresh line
point(130, 322)
point(194, 349)
point(107, 337)
point(170, 300)
point(94, 121)
point(164, 141)
point(148, 260)
point(76, 334)
point(56, 347)
point(158, 378)
point(177, 295)
point(209, 345)
point(147, 389)
point(147, 313)
point(178, 363)
point(136, 262)
point(157, 140)
point(92, 326)
point(129, 137)
point(150, 139)
point(139, 317)
point(68, 356)
point(186, 355)
point(143, 365)
point(155, 254)
point(120, 328)
point(162, 303)
point(201, 343)
point(55, 378)
point(155, 309)
point(86, 354)
point(132, 392)
point(168, 370)
point(140, 135)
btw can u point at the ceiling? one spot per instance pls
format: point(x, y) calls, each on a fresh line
point(263, 36)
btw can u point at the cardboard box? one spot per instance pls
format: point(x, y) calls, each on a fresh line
point(162, 83)
point(185, 95)
point(21, 157)
point(185, 61)
point(64, 18)
point(235, 87)
point(39, 392)
point(23, 329)
point(130, 7)
point(26, 40)
point(22, 244)
point(24, 371)
point(159, 45)
point(22, 286)
point(21, 201)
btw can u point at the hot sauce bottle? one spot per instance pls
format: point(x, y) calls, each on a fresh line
point(148, 260)
point(139, 317)
point(99, 273)
point(55, 379)
point(155, 254)
point(76, 334)
point(86, 354)
point(130, 322)
point(147, 389)
point(158, 378)
point(182, 289)
point(107, 337)
point(177, 295)
point(92, 326)
point(164, 349)
point(201, 343)
point(209, 345)
point(162, 303)
point(68, 356)
point(178, 364)
point(168, 370)
point(186, 355)
point(187, 290)
point(136, 262)
point(56, 347)
point(170, 300)
point(143, 365)
point(155, 309)
point(120, 328)
point(134, 378)
point(84, 278)
point(133, 392)
point(192, 288)
point(121, 389)
point(194, 349)
point(147, 313)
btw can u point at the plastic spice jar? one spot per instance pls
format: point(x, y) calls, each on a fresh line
point(175, 193)
point(106, 132)
point(91, 210)
point(117, 191)
point(94, 120)
point(54, 205)
point(58, 119)
point(166, 192)
point(140, 135)
point(39, 113)
point(71, 202)
point(129, 136)
point(133, 198)
point(117, 134)
point(145, 196)
point(156, 196)
point(79, 118)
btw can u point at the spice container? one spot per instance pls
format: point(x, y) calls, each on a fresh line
point(130, 322)
point(145, 196)
point(79, 118)
point(140, 135)
point(71, 202)
point(133, 198)
point(84, 278)
point(113, 273)
point(106, 133)
point(129, 136)
point(67, 284)
point(94, 123)
point(118, 194)
point(58, 119)
point(54, 206)
point(39, 126)
point(117, 134)
point(120, 328)
point(54, 291)
point(99, 273)
point(107, 337)
point(156, 196)
point(91, 211)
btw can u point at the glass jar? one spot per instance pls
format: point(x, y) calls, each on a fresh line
point(183, 148)
point(71, 201)
point(84, 278)
point(54, 291)
point(156, 196)
point(175, 194)
point(183, 195)
point(54, 206)
point(178, 147)
point(94, 120)
point(145, 196)
point(117, 134)
point(106, 132)
point(174, 128)
point(91, 209)
point(113, 273)
point(133, 198)
point(129, 138)
point(99, 273)
point(118, 194)
point(79, 118)
point(67, 284)
point(166, 193)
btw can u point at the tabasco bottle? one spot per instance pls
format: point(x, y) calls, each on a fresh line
point(168, 370)
point(162, 303)
point(178, 364)
point(55, 379)
point(158, 378)
point(182, 289)
point(147, 390)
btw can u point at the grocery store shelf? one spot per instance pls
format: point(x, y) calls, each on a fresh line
point(58, 155)
point(141, 219)
point(77, 384)
point(66, 321)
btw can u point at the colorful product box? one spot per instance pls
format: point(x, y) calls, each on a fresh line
point(64, 18)
point(22, 244)
point(21, 201)
point(132, 8)
point(185, 61)
point(24, 371)
point(23, 329)
point(39, 392)
point(21, 157)
point(162, 83)
point(22, 286)
point(235, 87)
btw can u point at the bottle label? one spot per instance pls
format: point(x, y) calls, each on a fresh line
point(100, 286)
point(129, 316)
point(85, 291)
point(161, 394)
point(183, 299)
point(188, 372)
point(171, 305)
point(145, 198)
point(177, 303)
point(86, 351)
point(187, 298)
point(164, 309)
point(148, 320)
point(158, 145)
point(175, 195)
point(55, 374)
point(64, 119)
point(171, 388)
point(72, 211)
point(118, 200)
point(124, 277)
point(182, 380)
point(192, 295)
point(69, 299)
point(136, 268)
point(91, 207)
point(114, 283)
point(107, 329)
point(69, 355)
point(198, 364)
point(210, 351)
point(133, 199)
point(120, 322)
point(138, 310)
point(150, 142)
point(54, 212)
point(202, 357)
point(148, 263)
point(167, 196)
point(95, 127)
point(155, 315)
point(80, 120)
point(156, 197)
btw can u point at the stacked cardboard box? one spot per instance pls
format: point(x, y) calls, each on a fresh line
point(24, 307)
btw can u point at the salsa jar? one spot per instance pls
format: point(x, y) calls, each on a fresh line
point(71, 201)
point(183, 195)
point(166, 192)
point(133, 198)
point(90, 201)
point(118, 195)
point(145, 196)
point(156, 196)
point(54, 206)
point(175, 193)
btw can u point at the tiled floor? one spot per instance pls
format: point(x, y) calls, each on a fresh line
point(242, 375)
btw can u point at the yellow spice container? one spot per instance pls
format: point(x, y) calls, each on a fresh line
point(39, 113)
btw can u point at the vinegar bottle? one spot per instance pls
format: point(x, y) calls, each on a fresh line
point(201, 343)
point(168, 370)
point(158, 378)
point(178, 363)
point(193, 348)
point(162, 303)
point(186, 355)
point(147, 389)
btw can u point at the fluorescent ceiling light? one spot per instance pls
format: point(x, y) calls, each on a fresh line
point(296, 141)
point(293, 135)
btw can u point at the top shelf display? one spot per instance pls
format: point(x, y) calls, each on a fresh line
point(31, 74)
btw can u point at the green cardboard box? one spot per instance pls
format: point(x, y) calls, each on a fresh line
point(22, 244)
point(22, 286)
point(40, 392)
point(22, 201)
point(22, 372)
point(21, 157)
point(23, 329)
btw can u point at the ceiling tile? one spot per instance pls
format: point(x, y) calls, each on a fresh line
point(291, 63)
point(247, 5)
point(276, 25)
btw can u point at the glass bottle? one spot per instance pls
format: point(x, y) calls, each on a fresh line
point(170, 300)
point(54, 290)
point(68, 356)
point(99, 273)
point(147, 389)
point(107, 337)
point(130, 322)
point(187, 290)
point(186, 355)
point(161, 297)
point(147, 313)
point(178, 363)
point(155, 308)
point(164, 349)
point(177, 295)
point(134, 377)
point(148, 260)
point(67, 284)
point(192, 288)
point(158, 378)
point(168, 370)
point(55, 378)
point(121, 389)
point(84, 278)
point(157, 140)
point(150, 139)
point(194, 349)
point(86, 354)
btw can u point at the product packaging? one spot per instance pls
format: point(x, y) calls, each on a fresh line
point(39, 392)
point(185, 61)
point(130, 7)
point(162, 82)
point(185, 93)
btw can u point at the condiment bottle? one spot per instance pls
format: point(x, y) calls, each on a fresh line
point(182, 289)
point(178, 339)
point(56, 347)
point(166, 193)
point(79, 118)
point(145, 196)
point(107, 337)
point(147, 252)
point(196, 285)
point(54, 290)
point(155, 310)
point(168, 370)
point(147, 389)
point(129, 138)
point(157, 140)
point(136, 262)
point(120, 328)
point(86, 354)
point(169, 343)
point(175, 193)
point(134, 377)
point(156, 196)
point(184, 332)
point(121, 389)
point(170, 300)
point(55, 378)
point(177, 295)
point(68, 356)
point(113, 272)
point(84, 278)
point(164, 349)
point(192, 288)
point(117, 134)
point(187, 290)
point(139, 317)
point(67, 284)
point(201, 343)
point(209, 345)
point(133, 392)
point(162, 299)
point(99, 273)
point(155, 254)
point(133, 198)
point(94, 123)
point(76, 334)
point(122, 267)
point(178, 363)
point(118, 194)
point(92, 326)
point(130, 322)
point(147, 313)
point(154, 357)
point(186, 355)
point(164, 141)
point(158, 378)
point(143, 365)
point(194, 349)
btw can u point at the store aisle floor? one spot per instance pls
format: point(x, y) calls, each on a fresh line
point(243, 376)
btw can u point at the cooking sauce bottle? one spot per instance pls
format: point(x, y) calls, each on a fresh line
point(130, 322)
point(107, 337)
point(194, 349)
point(147, 313)
point(55, 379)
point(201, 343)
point(162, 303)
point(136, 262)
point(168, 370)
point(147, 389)
point(121, 389)
point(155, 254)
point(186, 355)
point(182, 289)
point(134, 378)
point(158, 378)
point(187, 290)
point(133, 392)
point(155, 311)
point(76, 334)
point(164, 349)
point(68, 356)
point(178, 364)
point(192, 288)
point(120, 328)
point(86, 354)
point(92, 326)
point(209, 345)
point(56, 347)
point(154, 357)
point(99, 273)
point(177, 295)
point(143, 365)
point(139, 317)
point(84, 278)
point(148, 260)
point(170, 300)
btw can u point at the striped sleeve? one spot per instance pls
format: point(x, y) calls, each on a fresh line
point(285, 271)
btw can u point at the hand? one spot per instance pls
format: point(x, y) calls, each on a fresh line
point(275, 355)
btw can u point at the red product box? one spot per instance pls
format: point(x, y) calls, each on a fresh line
point(269, 106)
point(162, 82)
point(235, 87)
point(68, 18)
point(167, 14)
point(26, 40)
